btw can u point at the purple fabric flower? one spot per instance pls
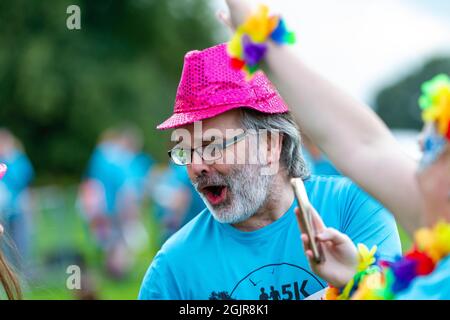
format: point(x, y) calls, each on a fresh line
point(253, 52)
point(404, 271)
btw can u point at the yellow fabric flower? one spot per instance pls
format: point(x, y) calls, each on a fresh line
point(434, 242)
point(435, 102)
point(234, 47)
point(369, 286)
point(259, 26)
point(425, 241)
point(440, 112)
point(442, 239)
point(366, 257)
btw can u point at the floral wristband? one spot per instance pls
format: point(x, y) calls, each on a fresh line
point(366, 266)
point(248, 46)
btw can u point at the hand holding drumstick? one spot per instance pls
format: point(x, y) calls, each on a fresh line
point(338, 255)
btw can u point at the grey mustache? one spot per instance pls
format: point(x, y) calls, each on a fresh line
point(204, 181)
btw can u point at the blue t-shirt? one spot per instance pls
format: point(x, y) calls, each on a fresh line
point(15, 183)
point(210, 260)
point(321, 166)
point(435, 286)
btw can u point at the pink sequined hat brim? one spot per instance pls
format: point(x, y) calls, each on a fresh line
point(271, 106)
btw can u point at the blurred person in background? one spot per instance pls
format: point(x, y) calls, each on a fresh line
point(15, 209)
point(8, 280)
point(111, 196)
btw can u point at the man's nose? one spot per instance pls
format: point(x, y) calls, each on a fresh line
point(198, 166)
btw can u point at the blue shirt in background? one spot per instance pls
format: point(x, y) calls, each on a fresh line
point(16, 180)
point(210, 260)
point(116, 169)
point(108, 166)
point(321, 166)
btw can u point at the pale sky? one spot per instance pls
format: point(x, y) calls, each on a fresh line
point(364, 44)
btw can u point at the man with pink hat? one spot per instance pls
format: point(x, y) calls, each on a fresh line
point(241, 148)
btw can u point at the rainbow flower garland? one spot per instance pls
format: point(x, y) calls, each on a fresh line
point(248, 45)
point(435, 105)
point(385, 280)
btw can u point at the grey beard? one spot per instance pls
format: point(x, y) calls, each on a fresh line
point(248, 192)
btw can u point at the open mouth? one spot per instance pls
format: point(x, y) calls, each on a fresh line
point(215, 194)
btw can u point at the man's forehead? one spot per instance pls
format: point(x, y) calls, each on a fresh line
point(223, 125)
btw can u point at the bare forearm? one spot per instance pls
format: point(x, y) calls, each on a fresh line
point(318, 104)
point(350, 133)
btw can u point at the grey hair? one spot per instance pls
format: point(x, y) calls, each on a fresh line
point(291, 152)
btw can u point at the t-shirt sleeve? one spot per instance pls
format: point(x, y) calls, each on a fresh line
point(159, 282)
point(366, 221)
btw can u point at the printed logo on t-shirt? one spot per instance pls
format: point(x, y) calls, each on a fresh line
point(282, 281)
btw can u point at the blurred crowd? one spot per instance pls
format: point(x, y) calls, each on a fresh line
point(120, 178)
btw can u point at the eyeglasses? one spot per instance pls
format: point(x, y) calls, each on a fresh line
point(211, 152)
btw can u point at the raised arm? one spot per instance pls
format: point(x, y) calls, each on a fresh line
point(349, 132)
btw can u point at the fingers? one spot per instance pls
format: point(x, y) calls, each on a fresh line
point(224, 19)
point(308, 252)
point(332, 235)
point(305, 240)
point(310, 256)
point(317, 220)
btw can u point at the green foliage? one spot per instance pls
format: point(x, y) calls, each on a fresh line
point(398, 104)
point(61, 88)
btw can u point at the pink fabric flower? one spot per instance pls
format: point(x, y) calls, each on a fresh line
point(3, 169)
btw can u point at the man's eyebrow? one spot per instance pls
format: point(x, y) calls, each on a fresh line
point(180, 142)
point(189, 145)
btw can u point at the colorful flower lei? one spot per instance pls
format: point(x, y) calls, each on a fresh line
point(366, 267)
point(435, 103)
point(385, 280)
point(248, 45)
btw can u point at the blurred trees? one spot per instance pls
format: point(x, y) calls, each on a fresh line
point(60, 88)
point(398, 105)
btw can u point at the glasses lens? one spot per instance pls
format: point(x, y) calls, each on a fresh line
point(179, 156)
point(212, 152)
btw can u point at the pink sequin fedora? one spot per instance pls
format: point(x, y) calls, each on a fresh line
point(209, 86)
